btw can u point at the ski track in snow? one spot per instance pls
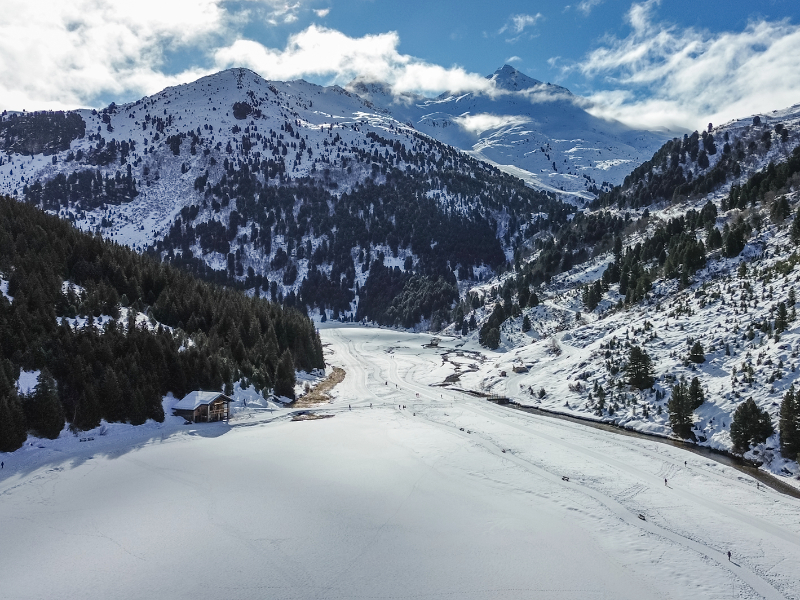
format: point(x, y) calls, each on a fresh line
point(394, 503)
point(714, 549)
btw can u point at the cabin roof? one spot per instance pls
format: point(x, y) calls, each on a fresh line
point(197, 398)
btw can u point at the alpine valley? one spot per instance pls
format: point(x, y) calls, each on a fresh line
point(640, 278)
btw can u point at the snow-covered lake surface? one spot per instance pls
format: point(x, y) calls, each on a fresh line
point(450, 497)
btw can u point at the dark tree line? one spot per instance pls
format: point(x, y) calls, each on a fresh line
point(40, 132)
point(82, 190)
point(681, 168)
point(210, 338)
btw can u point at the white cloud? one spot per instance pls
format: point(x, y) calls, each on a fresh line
point(56, 54)
point(485, 121)
point(329, 54)
point(587, 5)
point(66, 54)
point(517, 23)
point(513, 59)
point(322, 12)
point(666, 76)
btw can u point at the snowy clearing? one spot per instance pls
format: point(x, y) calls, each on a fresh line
point(449, 497)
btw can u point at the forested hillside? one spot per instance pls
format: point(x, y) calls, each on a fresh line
point(701, 163)
point(670, 308)
point(112, 331)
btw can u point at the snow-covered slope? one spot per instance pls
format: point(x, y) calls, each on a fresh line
point(267, 183)
point(449, 497)
point(204, 108)
point(730, 306)
point(537, 131)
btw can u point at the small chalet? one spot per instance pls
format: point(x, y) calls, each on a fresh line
point(203, 406)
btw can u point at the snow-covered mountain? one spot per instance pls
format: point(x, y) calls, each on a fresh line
point(537, 131)
point(732, 195)
point(285, 187)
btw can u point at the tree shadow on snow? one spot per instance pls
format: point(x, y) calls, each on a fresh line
point(69, 451)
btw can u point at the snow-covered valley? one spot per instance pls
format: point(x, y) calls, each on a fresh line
point(449, 496)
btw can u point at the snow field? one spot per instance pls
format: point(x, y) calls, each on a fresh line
point(385, 502)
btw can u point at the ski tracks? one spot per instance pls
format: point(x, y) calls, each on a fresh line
point(617, 502)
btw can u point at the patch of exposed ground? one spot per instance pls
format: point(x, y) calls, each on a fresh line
point(319, 394)
point(310, 417)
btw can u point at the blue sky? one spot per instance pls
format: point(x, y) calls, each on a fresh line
point(467, 32)
point(649, 63)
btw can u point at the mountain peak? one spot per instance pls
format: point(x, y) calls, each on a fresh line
point(508, 78)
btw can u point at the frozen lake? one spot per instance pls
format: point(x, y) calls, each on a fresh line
point(385, 502)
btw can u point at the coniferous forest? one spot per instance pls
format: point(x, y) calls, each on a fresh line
point(197, 335)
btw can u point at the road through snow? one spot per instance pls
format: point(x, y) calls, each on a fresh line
point(449, 497)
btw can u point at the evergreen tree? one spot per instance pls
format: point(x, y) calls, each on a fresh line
point(696, 396)
point(697, 354)
point(794, 231)
point(639, 369)
point(782, 318)
point(789, 424)
point(526, 324)
point(12, 423)
point(13, 430)
point(680, 410)
point(43, 409)
point(750, 426)
point(489, 334)
point(285, 377)
point(492, 338)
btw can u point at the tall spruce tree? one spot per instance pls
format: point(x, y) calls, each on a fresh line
point(680, 410)
point(750, 426)
point(697, 353)
point(285, 378)
point(13, 429)
point(782, 318)
point(43, 409)
point(789, 424)
point(639, 369)
point(696, 396)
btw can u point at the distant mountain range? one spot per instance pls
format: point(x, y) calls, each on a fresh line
point(537, 131)
point(284, 187)
point(346, 201)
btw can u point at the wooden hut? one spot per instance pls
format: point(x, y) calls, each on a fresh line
point(203, 407)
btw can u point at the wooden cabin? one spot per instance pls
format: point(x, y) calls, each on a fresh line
point(203, 407)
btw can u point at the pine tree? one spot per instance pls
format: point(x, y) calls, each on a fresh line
point(680, 410)
point(526, 324)
point(285, 376)
point(492, 338)
point(782, 319)
point(639, 369)
point(697, 354)
point(789, 424)
point(750, 426)
point(794, 231)
point(13, 430)
point(696, 396)
point(43, 409)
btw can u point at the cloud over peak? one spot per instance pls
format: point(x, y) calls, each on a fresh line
point(663, 75)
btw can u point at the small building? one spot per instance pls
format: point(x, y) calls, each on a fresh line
point(203, 407)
